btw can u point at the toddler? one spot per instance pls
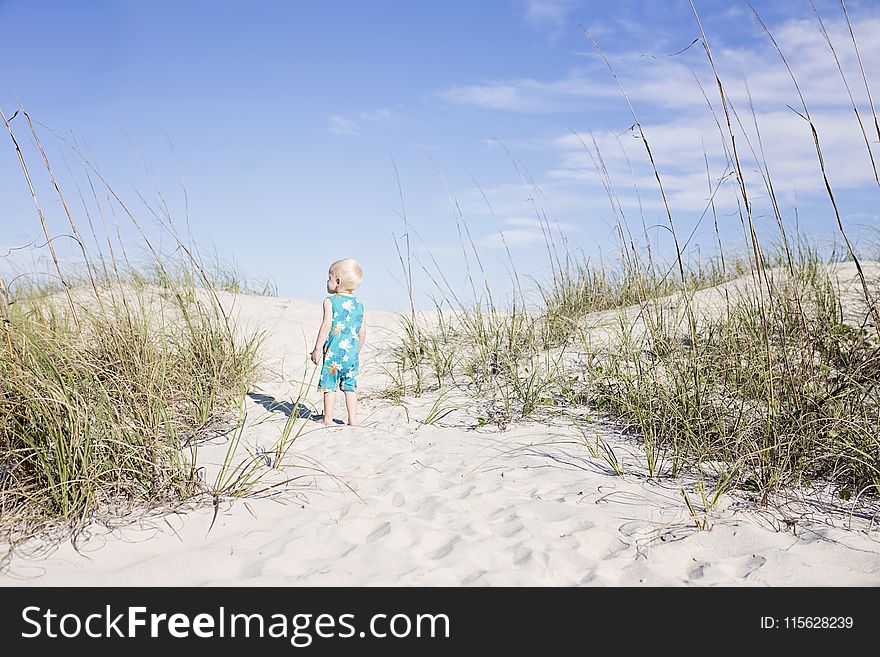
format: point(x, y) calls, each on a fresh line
point(340, 339)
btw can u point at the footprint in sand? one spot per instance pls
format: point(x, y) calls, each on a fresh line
point(521, 555)
point(461, 492)
point(557, 513)
point(750, 565)
point(510, 528)
point(470, 530)
point(378, 533)
point(697, 570)
point(473, 577)
point(445, 550)
point(429, 507)
point(569, 542)
point(251, 570)
point(589, 578)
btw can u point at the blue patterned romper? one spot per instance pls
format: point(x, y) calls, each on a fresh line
point(340, 368)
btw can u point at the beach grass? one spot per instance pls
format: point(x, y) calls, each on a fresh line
point(113, 373)
point(759, 365)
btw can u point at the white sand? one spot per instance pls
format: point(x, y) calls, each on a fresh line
point(396, 502)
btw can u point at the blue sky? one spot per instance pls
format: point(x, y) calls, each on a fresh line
point(282, 121)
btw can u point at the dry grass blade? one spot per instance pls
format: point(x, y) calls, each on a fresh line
point(107, 388)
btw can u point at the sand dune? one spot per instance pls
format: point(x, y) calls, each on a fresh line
point(398, 502)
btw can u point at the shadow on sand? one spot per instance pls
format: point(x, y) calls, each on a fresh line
point(295, 409)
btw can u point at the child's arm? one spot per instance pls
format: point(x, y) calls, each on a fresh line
point(323, 332)
point(362, 335)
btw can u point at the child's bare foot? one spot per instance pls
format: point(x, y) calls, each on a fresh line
point(354, 423)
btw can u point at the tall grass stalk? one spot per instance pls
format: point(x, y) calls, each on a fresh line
point(755, 365)
point(110, 377)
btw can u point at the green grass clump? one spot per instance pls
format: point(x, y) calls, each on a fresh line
point(784, 393)
point(581, 289)
point(761, 363)
point(107, 410)
point(111, 374)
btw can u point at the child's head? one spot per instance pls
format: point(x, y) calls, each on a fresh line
point(344, 275)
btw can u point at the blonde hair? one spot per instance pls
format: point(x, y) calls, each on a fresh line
point(349, 273)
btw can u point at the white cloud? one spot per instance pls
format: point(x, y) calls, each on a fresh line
point(375, 115)
point(680, 148)
point(343, 126)
point(553, 11)
point(682, 132)
point(523, 232)
point(529, 95)
point(550, 16)
point(340, 126)
point(669, 83)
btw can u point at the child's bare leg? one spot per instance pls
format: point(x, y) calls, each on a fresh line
point(329, 400)
point(351, 400)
